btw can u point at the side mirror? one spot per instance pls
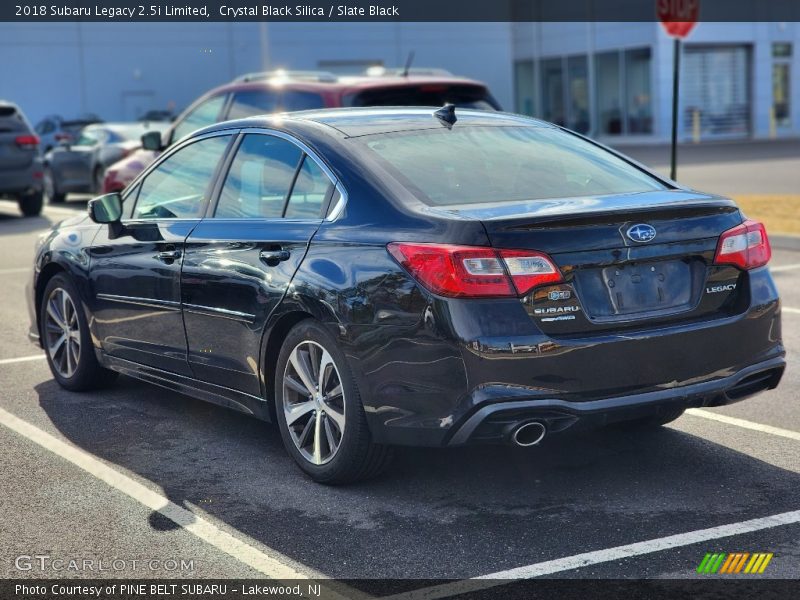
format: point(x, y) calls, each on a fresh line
point(106, 208)
point(152, 141)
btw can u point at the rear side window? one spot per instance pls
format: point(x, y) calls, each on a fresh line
point(472, 165)
point(259, 179)
point(464, 96)
point(309, 192)
point(207, 113)
point(177, 188)
point(258, 102)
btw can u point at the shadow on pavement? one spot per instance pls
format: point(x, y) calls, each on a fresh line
point(437, 512)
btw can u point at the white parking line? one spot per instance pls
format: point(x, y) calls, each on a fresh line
point(780, 268)
point(267, 561)
point(707, 414)
point(586, 559)
point(790, 310)
point(11, 361)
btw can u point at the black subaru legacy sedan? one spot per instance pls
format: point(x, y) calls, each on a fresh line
point(377, 277)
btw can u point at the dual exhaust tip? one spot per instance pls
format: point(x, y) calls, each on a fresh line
point(528, 434)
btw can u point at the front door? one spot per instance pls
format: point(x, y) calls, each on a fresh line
point(240, 261)
point(135, 275)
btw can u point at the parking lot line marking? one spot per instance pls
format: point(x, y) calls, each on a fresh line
point(586, 559)
point(790, 310)
point(269, 562)
point(780, 268)
point(707, 414)
point(11, 361)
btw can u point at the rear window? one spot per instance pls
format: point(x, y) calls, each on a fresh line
point(258, 102)
point(464, 96)
point(479, 165)
point(11, 120)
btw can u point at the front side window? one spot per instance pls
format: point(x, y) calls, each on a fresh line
point(207, 113)
point(177, 188)
point(259, 179)
point(472, 165)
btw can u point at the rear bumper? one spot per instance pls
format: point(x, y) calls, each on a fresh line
point(492, 423)
point(23, 181)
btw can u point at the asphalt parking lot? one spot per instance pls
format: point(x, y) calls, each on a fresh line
point(106, 475)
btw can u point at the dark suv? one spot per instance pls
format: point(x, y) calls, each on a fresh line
point(20, 160)
point(284, 91)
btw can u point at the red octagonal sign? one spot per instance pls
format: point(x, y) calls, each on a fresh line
point(678, 17)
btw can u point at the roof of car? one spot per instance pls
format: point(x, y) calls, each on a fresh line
point(354, 122)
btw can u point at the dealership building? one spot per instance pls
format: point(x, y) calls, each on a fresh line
point(610, 80)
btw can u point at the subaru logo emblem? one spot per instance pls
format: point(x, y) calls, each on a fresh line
point(641, 232)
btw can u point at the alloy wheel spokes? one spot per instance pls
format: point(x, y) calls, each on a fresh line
point(62, 333)
point(313, 402)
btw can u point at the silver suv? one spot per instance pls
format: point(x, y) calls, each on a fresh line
point(20, 160)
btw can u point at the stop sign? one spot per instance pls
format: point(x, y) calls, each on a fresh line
point(678, 17)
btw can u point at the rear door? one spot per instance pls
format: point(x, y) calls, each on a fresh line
point(135, 277)
point(240, 260)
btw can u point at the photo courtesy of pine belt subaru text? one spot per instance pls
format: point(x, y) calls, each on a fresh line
point(366, 278)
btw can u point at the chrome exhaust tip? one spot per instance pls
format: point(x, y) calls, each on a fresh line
point(528, 434)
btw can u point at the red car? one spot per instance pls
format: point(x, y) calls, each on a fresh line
point(281, 91)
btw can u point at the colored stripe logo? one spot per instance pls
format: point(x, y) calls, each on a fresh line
point(736, 562)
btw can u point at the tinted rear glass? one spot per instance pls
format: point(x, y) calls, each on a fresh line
point(471, 165)
point(11, 120)
point(464, 96)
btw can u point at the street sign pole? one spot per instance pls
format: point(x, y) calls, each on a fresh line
point(676, 67)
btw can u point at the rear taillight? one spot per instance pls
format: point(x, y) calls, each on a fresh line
point(745, 246)
point(27, 142)
point(63, 137)
point(475, 271)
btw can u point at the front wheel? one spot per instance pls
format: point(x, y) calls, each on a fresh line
point(66, 338)
point(319, 410)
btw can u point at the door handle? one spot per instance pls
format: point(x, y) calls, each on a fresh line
point(273, 257)
point(169, 255)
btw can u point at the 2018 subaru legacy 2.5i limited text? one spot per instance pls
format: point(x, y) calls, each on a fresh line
point(375, 277)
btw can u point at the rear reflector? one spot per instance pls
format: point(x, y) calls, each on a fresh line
point(745, 246)
point(475, 271)
point(27, 142)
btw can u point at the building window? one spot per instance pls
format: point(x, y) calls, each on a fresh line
point(524, 89)
point(608, 93)
point(553, 91)
point(624, 103)
point(638, 102)
point(578, 94)
point(781, 83)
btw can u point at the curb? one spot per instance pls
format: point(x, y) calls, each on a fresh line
point(785, 242)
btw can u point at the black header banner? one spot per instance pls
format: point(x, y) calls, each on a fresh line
point(394, 10)
point(716, 588)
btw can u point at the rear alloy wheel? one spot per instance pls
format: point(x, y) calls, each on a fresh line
point(66, 339)
point(319, 410)
point(50, 188)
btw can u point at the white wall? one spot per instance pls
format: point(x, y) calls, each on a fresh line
point(119, 69)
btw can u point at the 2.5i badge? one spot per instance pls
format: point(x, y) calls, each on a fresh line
point(716, 289)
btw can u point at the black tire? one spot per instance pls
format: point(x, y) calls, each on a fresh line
point(51, 192)
point(31, 204)
point(662, 417)
point(87, 373)
point(357, 457)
